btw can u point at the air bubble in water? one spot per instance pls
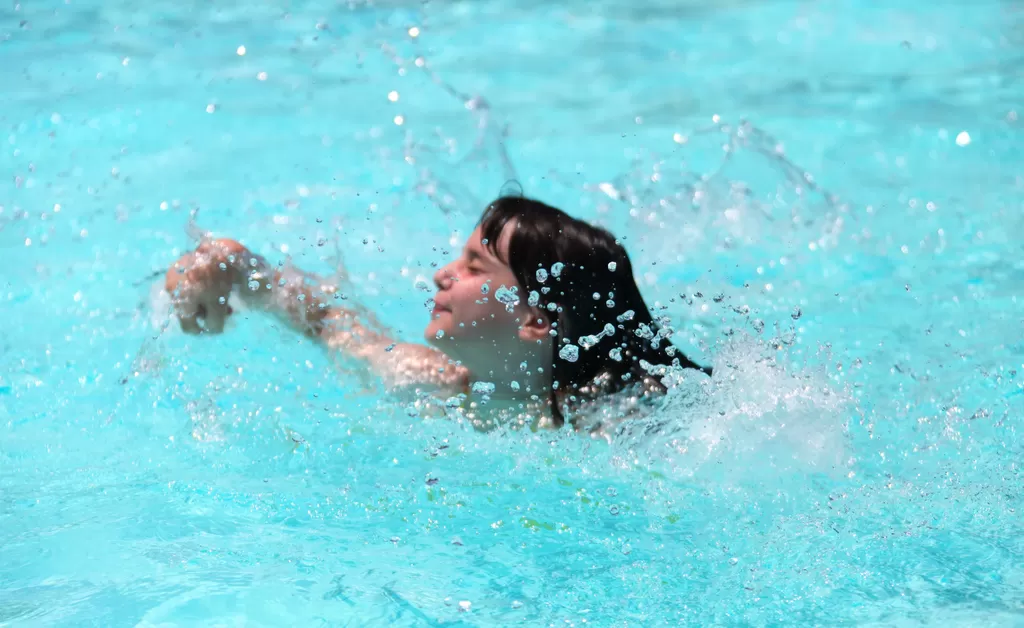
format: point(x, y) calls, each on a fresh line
point(796, 313)
point(625, 316)
point(522, 366)
point(612, 266)
point(614, 510)
point(534, 298)
point(484, 289)
point(439, 334)
point(597, 296)
point(453, 402)
point(609, 330)
point(556, 269)
point(569, 353)
point(542, 275)
point(483, 388)
point(254, 285)
point(758, 325)
point(510, 297)
point(223, 266)
point(588, 341)
point(615, 354)
point(222, 300)
point(515, 386)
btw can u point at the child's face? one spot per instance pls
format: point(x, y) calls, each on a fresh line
point(479, 305)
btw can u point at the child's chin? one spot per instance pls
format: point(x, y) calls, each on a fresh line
point(435, 334)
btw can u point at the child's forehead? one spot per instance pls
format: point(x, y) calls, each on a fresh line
point(476, 243)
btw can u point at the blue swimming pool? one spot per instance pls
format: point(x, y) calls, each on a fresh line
point(825, 197)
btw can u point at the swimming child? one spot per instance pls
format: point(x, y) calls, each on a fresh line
point(538, 315)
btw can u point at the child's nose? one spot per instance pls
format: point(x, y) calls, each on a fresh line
point(443, 278)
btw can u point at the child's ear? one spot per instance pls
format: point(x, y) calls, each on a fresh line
point(537, 326)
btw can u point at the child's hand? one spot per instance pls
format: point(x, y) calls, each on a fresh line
point(201, 281)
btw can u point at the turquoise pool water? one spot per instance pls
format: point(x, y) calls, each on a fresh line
point(851, 265)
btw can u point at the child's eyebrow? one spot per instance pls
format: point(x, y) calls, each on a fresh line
point(474, 255)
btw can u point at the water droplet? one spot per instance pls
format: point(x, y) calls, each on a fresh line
point(222, 300)
point(625, 316)
point(439, 334)
point(614, 510)
point(609, 330)
point(542, 275)
point(510, 297)
point(522, 366)
point(515, 386)
point(223, 266)
point(758, 325)
point(610, 303)
point(517, 604)
point(484, 289)
point(612, 266)
point(464, 606)
point(611, 491)
point(569, 353)
point(534, 298)
point(556, 269)
point(615, 354)
point(596, 296)
point(588, 341)
point(390, 347)
point(796, 313)
point(483, 388)
point(254, 285)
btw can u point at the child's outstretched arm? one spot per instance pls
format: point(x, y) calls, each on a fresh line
point(201, 281)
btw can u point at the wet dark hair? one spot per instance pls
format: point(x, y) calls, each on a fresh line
point(591, 290)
